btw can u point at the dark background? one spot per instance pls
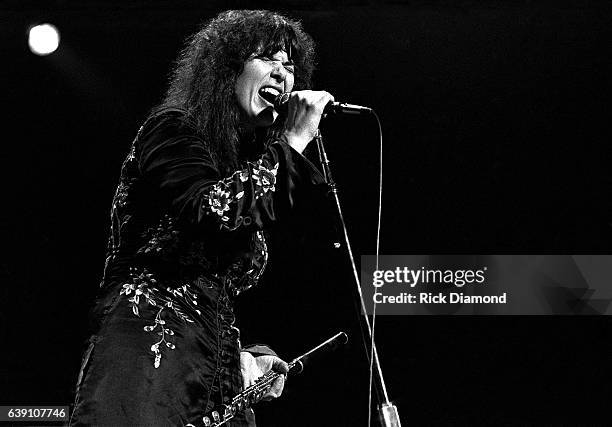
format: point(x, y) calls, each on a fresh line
point(495, 118)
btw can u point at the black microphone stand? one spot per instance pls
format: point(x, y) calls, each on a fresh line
point(387, 411)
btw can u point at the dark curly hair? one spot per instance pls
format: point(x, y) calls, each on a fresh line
point(204, 75)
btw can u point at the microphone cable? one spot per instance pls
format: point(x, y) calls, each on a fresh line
point(373, 353)
point(378, 225)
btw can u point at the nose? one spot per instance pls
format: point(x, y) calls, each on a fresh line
point(279, 73)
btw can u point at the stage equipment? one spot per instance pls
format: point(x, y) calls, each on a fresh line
point(281, 104)
point(388, 413)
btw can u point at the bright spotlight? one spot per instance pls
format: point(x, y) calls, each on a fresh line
point(43, 39)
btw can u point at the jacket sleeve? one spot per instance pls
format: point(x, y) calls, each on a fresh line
point(178, 165)
point(259, 350)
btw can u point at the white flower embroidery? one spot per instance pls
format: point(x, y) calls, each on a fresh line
point(221, 196)
point(264, 178)
point(143, 284)
point(219, 200)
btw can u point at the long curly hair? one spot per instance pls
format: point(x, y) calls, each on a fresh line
point(203, 78)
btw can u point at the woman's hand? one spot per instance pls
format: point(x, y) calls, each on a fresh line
point(254, 367)
point(304, 113)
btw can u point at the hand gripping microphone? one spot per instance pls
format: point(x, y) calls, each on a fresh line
point(281, 103)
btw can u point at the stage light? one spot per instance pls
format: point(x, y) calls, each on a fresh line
point(43, 39)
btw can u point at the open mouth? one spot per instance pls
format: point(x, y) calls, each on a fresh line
point(269, 94)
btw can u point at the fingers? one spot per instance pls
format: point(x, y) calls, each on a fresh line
point(268, 363)
point(309, 101)
point(306, 108)
point(280, 365)
point(249, 369)
point(277, 365)
point(276, 389)
point(253, 368)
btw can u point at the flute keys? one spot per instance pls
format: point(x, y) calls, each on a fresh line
point(206, 421)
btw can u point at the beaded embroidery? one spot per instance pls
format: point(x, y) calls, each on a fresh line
point(242, 276)
point(161, 237)
point(265, 179)
point(142, 284)
point(142, 289)
point(222, 195)
point(119, 218)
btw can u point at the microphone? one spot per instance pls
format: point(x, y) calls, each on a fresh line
point(281, 103)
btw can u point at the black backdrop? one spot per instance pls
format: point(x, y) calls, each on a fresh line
point(494, 118)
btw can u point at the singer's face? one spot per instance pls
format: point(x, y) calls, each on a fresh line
point(261, 80)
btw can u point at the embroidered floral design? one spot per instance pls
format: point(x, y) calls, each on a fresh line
point(119, 216)
point(185, 293)
point(243, 274)
point(219, 200)
point(260, 259)
point(264, 178)
point(162, 332)
point(225, 192)
point(161, 237)
point(221, 195)
point(121, 194)
point(142, 284)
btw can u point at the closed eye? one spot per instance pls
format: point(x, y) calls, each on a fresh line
point(289, 65)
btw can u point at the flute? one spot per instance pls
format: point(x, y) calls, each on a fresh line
point(254, 393)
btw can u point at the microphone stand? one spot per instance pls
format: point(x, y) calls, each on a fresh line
point(387, 410)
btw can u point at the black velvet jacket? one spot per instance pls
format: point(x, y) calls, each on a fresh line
point(184, 242)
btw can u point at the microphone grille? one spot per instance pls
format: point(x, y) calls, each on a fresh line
point(281, 100)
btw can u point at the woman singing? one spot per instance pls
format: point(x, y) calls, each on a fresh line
point(210, 169)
